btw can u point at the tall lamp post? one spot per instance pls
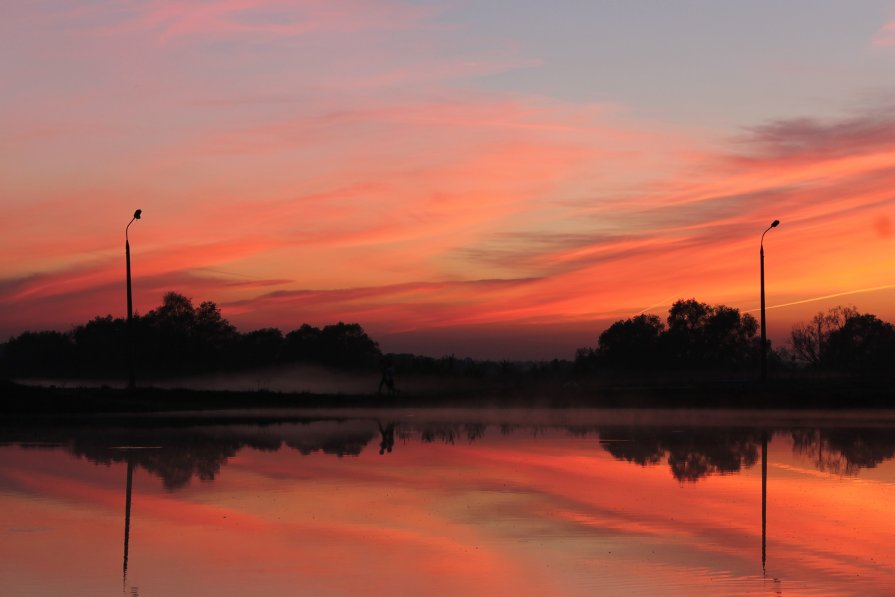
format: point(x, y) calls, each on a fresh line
point(131, 378)
point(764, 337)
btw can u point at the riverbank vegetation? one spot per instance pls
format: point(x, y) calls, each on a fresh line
point(696, 343)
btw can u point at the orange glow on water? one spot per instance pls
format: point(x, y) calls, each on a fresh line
point(501, 514)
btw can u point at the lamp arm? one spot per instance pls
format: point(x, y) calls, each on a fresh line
point(762, 235)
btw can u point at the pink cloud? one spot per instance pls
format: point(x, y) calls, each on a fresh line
point(366, 183)
point(885, 37)
point(479, 235)
point(280, 18)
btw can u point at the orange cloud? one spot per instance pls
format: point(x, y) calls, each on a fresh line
point(414, 210)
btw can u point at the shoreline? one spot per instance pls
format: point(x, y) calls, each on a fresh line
point(775, 395)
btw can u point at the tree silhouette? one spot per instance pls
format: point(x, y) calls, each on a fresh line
point(178, 338)
point(633, 342)
point(845, 340)
point(261, 347)
point(165, 337)
point(697, 335)
point(709, 336)
point(101, 344)
point(809, 340)
point(214, 338)
point(863, 344)
point(40, 353)
point(347, 345)
point(303, 344)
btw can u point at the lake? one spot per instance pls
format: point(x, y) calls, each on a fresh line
point(452, 502)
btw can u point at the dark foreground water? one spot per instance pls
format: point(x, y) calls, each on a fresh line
point(450, 502)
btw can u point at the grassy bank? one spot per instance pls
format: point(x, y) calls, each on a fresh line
point(775, 394)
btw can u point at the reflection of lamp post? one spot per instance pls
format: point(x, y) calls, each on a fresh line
point(127, 510)
point(764, 340)
point(131, 379)
point(130, 452)
point(764, 498)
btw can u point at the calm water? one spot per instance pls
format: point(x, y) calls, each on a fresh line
point(451, 502)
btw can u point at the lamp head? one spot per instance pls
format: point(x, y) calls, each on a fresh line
point(139, 212)
point(774, 224)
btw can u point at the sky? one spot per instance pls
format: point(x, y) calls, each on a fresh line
point(489, 179)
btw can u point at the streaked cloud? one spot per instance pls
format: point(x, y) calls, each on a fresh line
point(170, 20)
point(370, 162)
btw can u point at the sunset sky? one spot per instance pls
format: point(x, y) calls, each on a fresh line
point(488, 178)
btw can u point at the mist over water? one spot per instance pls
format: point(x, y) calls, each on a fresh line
point(296, 378)
point(286, 378)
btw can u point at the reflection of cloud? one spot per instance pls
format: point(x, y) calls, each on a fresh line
point(502, 515)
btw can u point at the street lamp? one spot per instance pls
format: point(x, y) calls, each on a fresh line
point(764, 339)
point(131, 379)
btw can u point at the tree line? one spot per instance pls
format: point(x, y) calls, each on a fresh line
point(697, 335)
point(844, 339)
point(179, 338)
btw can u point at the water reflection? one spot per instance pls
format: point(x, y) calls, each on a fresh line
point(178, 454)
point(844, 451)
point(691, 454)
point(127, 513)
point(764, 502)
point(181, 451)
point(388, 437)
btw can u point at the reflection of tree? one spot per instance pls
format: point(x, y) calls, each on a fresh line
point(174, 457)
point(844, 451)
point(643, 450)
point(449, 433)
point(691, 454)
point(475, 431)
point(178, 454)
point(349, 444)
point(445, 433)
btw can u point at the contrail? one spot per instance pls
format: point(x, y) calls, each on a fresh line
point(664, 301)
point(828, 296)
